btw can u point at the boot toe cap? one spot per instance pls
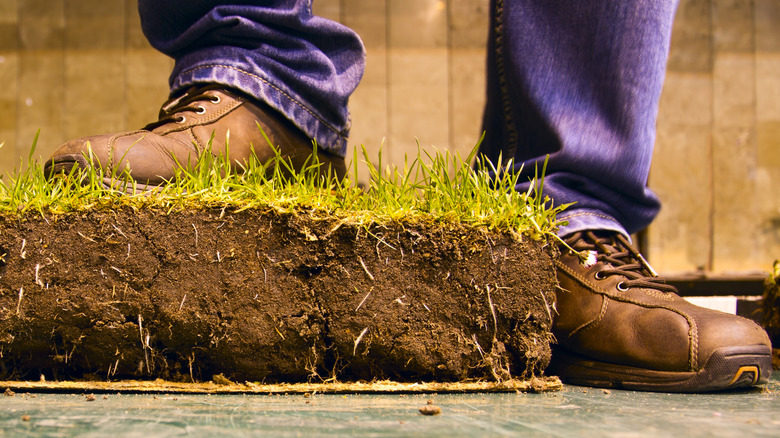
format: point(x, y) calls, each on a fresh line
point(143, 156)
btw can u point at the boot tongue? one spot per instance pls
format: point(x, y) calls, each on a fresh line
point(606, 244)
point(593, 245)
point(184, 102)
point(612, 247)
point(174, 103)
point(614, 250)
point(192, 94)
point(603, 246)
point(171, 103)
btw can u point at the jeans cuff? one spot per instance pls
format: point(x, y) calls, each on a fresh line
point(584, 219)
point(326, 136)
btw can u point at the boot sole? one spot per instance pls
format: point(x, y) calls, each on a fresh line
point(726, 369)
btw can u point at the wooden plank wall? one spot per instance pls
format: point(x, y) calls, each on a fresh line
point(717, 158)
point(78, 67)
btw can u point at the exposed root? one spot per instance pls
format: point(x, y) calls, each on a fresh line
point(357, 341)
point(363, 264)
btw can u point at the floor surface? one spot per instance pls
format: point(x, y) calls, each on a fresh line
point(575, 411)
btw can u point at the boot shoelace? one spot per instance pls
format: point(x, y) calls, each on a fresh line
point(191, 100)
point(622, 258)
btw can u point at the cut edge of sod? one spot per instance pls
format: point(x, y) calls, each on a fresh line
point(440, 187)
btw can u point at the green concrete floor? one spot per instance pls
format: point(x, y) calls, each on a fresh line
point(575, 411)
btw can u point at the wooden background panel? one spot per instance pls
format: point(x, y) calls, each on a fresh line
point(468, 34)
point(79, 67)
point(717, 152)
point(424, 79)
point(734, 137)
point(369, 103)
point(680, 240)
point(418, 77)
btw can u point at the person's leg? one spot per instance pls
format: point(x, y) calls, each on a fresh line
point(276, 51)
point(245, 72)
point(581, 81)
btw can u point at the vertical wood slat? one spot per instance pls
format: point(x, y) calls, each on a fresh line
point(9, 66)
point(767, 85)
point(735, 222)
point(681, 174)
point(468, 33)
point(417, 77)
point(369, 103)
point(94, 68)
point(41, 73)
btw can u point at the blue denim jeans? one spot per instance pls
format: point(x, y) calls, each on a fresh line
point(578, 80)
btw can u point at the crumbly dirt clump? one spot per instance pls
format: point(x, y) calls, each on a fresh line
point(264, 296)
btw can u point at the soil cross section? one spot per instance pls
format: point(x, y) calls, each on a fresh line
point(260, 295)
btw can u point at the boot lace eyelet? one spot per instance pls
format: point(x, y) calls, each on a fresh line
point(201, 110)
point(181, 119)
point(215, 99)
point(599, 275)
point(622, 287)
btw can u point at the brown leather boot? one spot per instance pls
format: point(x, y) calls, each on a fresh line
point(619, 325)
point(183, 133)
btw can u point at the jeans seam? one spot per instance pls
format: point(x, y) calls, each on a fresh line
point(279, 90)
point(603, 216)
point(512, 135)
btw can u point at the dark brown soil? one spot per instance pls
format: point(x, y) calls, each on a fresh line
point(267, 296)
